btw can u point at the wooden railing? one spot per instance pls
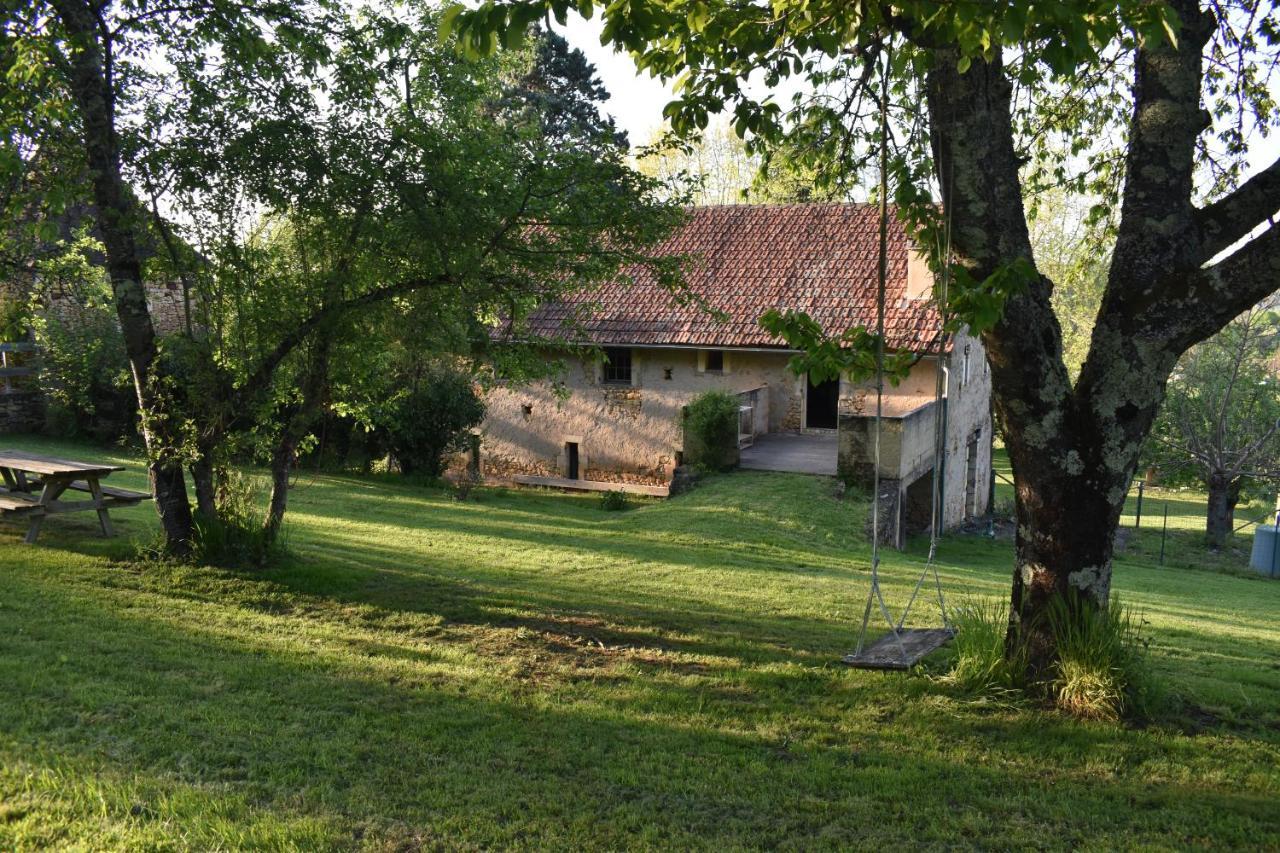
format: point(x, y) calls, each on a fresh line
point(13, 366)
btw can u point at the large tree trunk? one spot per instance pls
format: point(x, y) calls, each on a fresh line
point(206, 491)
point(117, 219)
point(1220, 517)
point(1066, 522)
point(1073, 450)
point(282, 459)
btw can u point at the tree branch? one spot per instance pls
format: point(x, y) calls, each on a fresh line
point(1157, 229)
point(1236, 283)
point(1231, 218)
point(261, 376)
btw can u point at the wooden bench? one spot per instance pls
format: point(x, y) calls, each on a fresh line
point(111, 495)
point(19, 502)
point(24, 473)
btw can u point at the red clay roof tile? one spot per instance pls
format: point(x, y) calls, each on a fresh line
point(819, 258)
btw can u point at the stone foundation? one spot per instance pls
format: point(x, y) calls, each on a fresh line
point(21, 411)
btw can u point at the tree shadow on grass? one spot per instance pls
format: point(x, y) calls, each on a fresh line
point(159, 717)
point(611, 615)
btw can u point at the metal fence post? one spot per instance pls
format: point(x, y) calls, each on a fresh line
point(1164, 531)
point(1137, 520)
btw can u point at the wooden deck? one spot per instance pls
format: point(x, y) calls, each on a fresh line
point(800, 453)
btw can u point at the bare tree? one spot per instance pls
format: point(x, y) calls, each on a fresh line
point(1220, 423)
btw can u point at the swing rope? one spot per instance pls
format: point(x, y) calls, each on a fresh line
point(875, 595)
point(939, 455)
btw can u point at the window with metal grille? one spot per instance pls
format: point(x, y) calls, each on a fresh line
point(617, 366)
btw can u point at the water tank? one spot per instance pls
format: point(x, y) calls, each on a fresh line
point(1265, 559)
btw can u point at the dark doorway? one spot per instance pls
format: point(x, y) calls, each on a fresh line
point(571, 454)
point(917, 505)
point(971, 478)
point(822, 403)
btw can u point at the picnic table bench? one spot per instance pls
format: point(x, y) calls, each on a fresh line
point(23, 473)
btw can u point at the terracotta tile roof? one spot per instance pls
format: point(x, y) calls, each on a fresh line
point(820, 258)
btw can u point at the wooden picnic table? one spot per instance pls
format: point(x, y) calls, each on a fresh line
point(24, 473)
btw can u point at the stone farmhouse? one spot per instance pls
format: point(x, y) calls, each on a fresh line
point(621, 421)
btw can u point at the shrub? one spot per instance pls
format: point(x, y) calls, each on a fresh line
point(464, 485)
point(711, 431)
point(614, 500)
point(433, 419)
point(83, 372)
point(15, 314)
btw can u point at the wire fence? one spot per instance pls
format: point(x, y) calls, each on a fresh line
point(1140, 503)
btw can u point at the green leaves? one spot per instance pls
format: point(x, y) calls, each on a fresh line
point(449, 20)
point(824, 357)
point(1221, 413)
point(980, 303)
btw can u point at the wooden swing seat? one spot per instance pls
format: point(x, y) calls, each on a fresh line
point(885, 653)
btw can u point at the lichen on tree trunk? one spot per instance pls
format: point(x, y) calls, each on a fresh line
point(1074, 449)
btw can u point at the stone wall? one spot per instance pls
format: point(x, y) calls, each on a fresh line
point(21, 403)
point(968, 420)
point(168, 312)
point(908, 432)
point(626, 433)
point(632, 433)
point(21, 411)
point(164, 301)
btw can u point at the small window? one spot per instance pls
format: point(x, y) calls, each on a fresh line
point(617, 366)
point(715, 361)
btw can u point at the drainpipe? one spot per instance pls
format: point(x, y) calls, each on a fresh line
point(941, 461)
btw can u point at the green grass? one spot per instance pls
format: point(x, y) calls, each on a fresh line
point(529, 670)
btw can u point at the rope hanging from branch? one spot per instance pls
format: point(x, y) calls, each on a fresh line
point(899, 648)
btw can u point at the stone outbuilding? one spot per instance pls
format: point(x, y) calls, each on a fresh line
point(647, 354)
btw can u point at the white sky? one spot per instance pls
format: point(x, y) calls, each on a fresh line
point(637, 100)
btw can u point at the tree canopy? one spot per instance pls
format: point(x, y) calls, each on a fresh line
point(1220, 423)
point(302, 164)
point(1147, 109)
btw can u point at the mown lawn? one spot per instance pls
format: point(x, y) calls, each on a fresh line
point(527, 670)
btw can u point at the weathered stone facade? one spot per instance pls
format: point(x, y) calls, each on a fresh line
point(632, 433)
point(168, 310)
point(627, 433)
point(22, 403)
point(822, 259)
point(164, 302)
point(21, 411)
point(907, 436)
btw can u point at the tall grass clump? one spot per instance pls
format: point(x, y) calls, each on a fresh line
point(237, 537)
point(1102, 672)
point(980, 664)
